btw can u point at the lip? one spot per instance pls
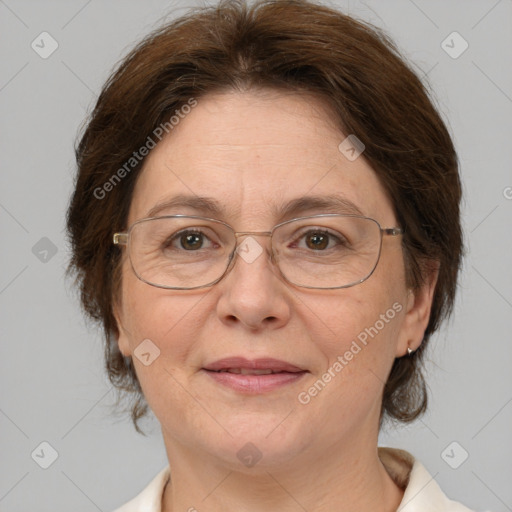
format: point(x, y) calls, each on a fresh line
point(253, 364)
point(283, 374)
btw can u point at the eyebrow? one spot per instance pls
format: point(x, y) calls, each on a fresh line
point(305, 204)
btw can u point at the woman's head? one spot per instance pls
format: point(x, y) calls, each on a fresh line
point(252, 107)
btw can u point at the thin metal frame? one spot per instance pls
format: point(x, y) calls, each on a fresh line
point(123, 238)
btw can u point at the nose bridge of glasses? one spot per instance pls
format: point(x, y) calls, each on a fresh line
point(255, 233)
point(250, 250)
point(243, 234)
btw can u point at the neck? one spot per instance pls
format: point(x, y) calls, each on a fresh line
point(338, 479)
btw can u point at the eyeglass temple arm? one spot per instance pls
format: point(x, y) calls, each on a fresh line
point(120, 238)
point(392, 231)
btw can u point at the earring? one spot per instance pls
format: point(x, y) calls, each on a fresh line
point(409, 351)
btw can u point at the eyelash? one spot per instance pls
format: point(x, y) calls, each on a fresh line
point(177, 236)
point(330, 234)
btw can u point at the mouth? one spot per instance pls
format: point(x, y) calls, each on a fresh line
point(247, 371)
point(254, 376)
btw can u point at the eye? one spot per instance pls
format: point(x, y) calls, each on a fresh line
point(189, 240)
point(321, 239)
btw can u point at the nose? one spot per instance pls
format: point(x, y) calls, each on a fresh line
point(253, 293)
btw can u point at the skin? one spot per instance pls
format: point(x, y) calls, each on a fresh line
point(253, 151)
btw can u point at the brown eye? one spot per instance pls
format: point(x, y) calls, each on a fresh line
point(191, 241)
point(321, 240)
point(317, 241)
point(187, 240)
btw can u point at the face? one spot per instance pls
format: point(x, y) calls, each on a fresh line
point(252, 153)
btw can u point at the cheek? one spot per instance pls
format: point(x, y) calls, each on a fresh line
point(162, 327)
point(150, 312)
point(356, 331)
point(163, 323)
point(364, 315)
point(346, 390)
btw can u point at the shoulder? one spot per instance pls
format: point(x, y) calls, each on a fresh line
point(150, 499)
point(421, 491)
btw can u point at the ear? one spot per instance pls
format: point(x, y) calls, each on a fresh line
point(123, 340)
point(417, 314)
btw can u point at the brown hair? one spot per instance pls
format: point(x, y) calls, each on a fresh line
point(299, 46)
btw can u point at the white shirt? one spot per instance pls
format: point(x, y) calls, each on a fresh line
point(422, 494)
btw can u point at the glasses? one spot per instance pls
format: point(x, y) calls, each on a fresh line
point(326, 251)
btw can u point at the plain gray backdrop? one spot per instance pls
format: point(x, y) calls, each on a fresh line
point(53, 387)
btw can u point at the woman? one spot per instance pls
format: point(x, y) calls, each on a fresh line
point(259, 223)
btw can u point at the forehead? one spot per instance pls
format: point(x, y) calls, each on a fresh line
point(252, 153)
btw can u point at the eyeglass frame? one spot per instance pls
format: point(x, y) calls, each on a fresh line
point(123, 239)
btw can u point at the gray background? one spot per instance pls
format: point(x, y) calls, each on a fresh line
point(53, 387)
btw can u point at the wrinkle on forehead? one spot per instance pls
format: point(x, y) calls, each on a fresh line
point(254, 152)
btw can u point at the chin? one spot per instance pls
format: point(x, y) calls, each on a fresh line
point(258, 442)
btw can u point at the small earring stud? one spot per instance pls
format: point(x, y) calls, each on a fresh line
point(409, 351)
